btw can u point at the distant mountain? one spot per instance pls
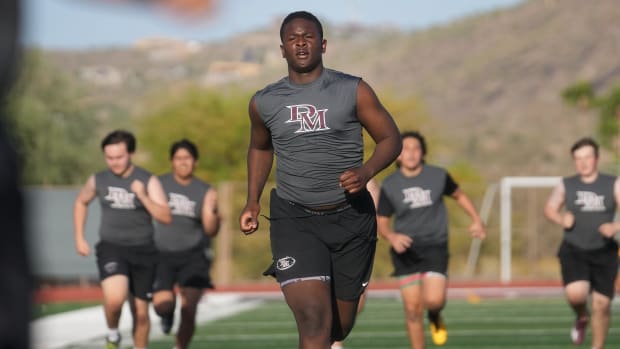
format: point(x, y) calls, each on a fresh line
point(492, 82)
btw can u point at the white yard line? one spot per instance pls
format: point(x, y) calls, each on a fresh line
point(86, 325)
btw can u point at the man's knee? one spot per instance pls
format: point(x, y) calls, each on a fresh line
point(313, 320)
point(164, 308)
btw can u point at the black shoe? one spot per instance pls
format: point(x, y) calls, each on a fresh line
point(166, 324)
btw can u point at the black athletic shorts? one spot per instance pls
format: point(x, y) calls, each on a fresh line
point(421, 259)
point(185, 268)
point(135, 262)
point(337, 245)
point(599, 267)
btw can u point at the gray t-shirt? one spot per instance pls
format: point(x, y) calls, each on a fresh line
point(592, 204)
point(124, 220)
point(316, 135)
point(185, 202)
point(417, 204)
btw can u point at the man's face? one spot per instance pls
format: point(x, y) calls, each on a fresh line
point(117, 158)
point(302, 45)
point(411, 155)
point(586, 161)
point(183, 163)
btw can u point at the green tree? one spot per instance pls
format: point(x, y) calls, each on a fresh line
point(609, 116)
point(217, 121)
point(580, 94)
point(50, 126)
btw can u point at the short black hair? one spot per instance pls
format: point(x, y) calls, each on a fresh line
point(584, 142)
point(417, 135)
point(120, 136)
point(184, 144)
point(303, 15)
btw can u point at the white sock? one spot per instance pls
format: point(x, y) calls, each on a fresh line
point(113, 334)
point(337, 346)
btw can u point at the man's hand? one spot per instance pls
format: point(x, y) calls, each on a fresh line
point(354, 180)
point(248, 221)
point(82, 248)
point(568, 220)
point(138, 188)
point(607, 229)
point(400, 242)
point(476, 229)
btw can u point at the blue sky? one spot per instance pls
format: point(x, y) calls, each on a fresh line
point(80, 24)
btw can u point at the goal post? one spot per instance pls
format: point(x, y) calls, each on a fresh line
point(506, 186)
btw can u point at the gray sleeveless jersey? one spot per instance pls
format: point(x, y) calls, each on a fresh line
point(185, 202)
point(124, 220)
point(316, 135)
point(592, 204)
point(417, 204)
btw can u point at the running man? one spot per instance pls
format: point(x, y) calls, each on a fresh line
point(323, 224)
point(184, 245)
point(413, 194)
point(584, 205)
point(130, 199)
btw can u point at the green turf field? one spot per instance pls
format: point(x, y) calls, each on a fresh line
point(41, 310)
point(490, 324)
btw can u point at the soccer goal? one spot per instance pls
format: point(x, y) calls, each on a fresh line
point(507, 185)
point(507, 220)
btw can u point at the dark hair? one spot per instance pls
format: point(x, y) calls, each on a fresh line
point(303, 15)
point(120, 136)
point(184, 144)
point(417, 135)
point(584, 142)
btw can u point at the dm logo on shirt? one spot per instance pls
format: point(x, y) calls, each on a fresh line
point(590, 202)
point(120, 198)
point(310, 118)
point(285, 263)
point(417, 197)
point(181, 205)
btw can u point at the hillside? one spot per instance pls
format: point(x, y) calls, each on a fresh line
point(491, 82)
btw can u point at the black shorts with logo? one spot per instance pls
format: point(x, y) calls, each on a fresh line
point(421, 259)
point(135, 262)
point(338, 244)
point(185, 268)
point(599, 267)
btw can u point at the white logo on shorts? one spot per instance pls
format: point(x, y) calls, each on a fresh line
point(110, 267)
point(364, 284)
point(285, 263)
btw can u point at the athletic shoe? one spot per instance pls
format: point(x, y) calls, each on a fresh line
point(578, 331)
point(166, 323)
point(439, 333)
point(112, 344)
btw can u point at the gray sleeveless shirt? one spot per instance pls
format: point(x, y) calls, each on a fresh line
point(185, 202)
point(124, 220)
point(417, 204)
point(592, 204)
point(315, 133)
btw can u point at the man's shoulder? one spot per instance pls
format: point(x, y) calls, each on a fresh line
point(434, 169)
point(200, 184)
point(165, 175)
point(272, 87)
point(608, 176)
point(392, 179)
point(339, 74)
point(165, 178)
